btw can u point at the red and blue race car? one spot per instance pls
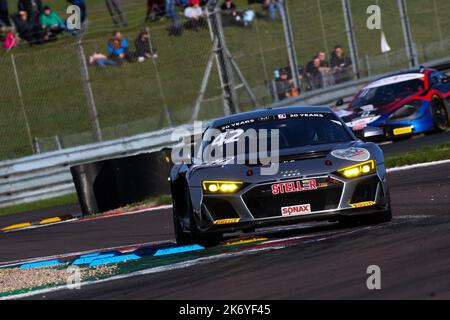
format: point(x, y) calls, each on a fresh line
point(400, 105)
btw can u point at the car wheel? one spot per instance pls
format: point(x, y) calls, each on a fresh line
point(439, 114)
point(194, 236)
point(182, 238)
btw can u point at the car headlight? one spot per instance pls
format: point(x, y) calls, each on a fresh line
point(406, 111)
point(221, 186)
point(357, 170)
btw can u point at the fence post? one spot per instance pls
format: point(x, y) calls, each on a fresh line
point(93, 114)
point(22, 103)
point(407, 35)
point(368, 66)
point(158, 79)
point(289, 37)
point(351, 37)
point(223, 64)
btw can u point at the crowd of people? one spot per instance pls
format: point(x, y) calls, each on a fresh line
point(318, 73)
point(118, 50)
point(37, 23)
point(33, 22)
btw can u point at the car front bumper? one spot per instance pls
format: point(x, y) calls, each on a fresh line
point(255, 205)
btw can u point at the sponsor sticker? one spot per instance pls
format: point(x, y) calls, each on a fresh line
point(294, 186)
point(227, 221)
point(296, 210)
point(353, 154)
point(404, 130)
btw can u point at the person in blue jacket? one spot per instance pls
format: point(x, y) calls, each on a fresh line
point(118, 48)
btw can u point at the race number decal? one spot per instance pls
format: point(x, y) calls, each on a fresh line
point(229, 136)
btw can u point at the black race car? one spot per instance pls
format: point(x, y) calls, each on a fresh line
point(314, 169)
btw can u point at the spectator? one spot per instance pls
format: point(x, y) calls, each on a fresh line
point(145, 49)
point(170, 8)
point(340, 65)
point(115, 10)
point(33, 8)
point(230, 15)
point(325, 69)
point(153, 10)
point(194, 14)
point(272, 5)
point(11, 40)
point(284, 85)
point(4, 14)
point(100, 60)
point(118, 48)
point(313, 74)
point(50, 20)
point(28, 30)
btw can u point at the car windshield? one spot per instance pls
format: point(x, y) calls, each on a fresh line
point(294, 130)
point(387, 93)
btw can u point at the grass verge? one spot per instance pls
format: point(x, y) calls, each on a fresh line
point(421, 155)
point(39, 205)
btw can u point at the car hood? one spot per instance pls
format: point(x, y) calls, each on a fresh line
point(295, 162)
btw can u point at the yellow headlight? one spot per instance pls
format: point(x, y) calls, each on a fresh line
point(357, 170)
point(221, 186)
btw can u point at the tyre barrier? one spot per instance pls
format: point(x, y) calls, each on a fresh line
point(113, 183)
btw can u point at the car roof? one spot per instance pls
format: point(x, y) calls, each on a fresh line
point(267, 112)
point(396, 78)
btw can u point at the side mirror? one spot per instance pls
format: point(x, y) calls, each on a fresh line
point(340, 102)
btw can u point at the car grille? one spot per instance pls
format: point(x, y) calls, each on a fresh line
point(262, 204)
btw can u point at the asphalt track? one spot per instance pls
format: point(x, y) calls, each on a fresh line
point(413, 252)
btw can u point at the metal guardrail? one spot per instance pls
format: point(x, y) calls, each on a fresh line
point(47, 175)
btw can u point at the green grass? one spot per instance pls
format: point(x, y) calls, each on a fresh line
point(420, 155)
point(128, 98)
point(44, 204)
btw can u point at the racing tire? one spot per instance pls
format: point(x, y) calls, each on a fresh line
point(182, 238)
point(439, 114)
point(194, 236)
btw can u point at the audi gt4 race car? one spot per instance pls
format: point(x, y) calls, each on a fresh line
point(400, 105)
point(323, 172)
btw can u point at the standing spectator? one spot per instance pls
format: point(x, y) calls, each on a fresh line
point(144, 48)
point(340, 65)
point(272, 5)
point(154, 10)
point(325, 69)
point(170, 8)
point(51, 21)
point(118, 48)
point(313, 74)
point(33, 8)
point(4, 14)
point(194, 13)
point(115, 10)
